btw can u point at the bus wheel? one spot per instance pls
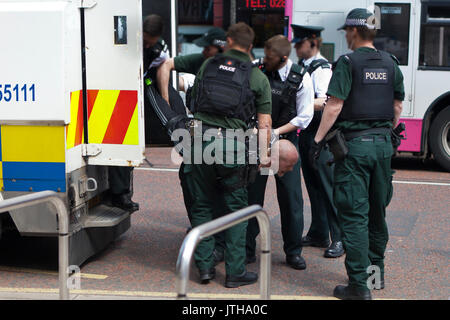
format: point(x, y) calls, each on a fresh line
point(440, 138)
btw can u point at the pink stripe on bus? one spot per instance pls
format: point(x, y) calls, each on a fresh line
point(413, 134)
point(288, 11)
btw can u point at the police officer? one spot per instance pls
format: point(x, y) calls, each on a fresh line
point(155, 53)
point(319, 183)
point(366, 94)
point(292, 109)
point(213, 43)
point(228, 91)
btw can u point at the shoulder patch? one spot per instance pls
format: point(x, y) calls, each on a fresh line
point(344, 58)
point(258, 63)
point(298, 69)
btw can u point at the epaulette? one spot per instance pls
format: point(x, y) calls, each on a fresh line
point(344, 57)
point(395, 59)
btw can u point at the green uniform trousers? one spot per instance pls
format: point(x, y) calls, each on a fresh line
point(290, 201)
point(362, 191)
point(210, 181)
point(185, 176)
point(319, 184)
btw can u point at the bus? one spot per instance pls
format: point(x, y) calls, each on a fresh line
point(417, 32)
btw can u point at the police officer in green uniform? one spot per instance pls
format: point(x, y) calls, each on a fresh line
point(366, 94)
point(228, 91)
point(319, 180)
point(213, 43)
point(292, 109)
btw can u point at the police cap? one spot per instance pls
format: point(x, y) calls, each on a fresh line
point(213, 37)
point(305, 32)
point(360, 17)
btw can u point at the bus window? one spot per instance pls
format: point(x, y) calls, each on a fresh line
point(435, 47)
point(435, 36)
point(394, 34)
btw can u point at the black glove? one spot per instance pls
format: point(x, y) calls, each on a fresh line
point(314, 153)
point(397, 137)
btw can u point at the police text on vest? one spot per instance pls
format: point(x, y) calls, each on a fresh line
point(227, 68)
point(375, 76)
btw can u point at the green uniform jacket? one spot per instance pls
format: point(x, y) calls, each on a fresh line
point(190, 63)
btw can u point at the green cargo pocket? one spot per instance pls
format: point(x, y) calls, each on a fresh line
point(343, 194)
point(390, 191)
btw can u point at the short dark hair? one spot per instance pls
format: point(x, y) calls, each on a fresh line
point(153, 25)
point(242, 34)
point(366, 33)
point(317, 41)
point(280, 45)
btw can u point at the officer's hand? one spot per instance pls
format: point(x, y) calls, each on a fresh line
point(265, 162)
point(314, 153)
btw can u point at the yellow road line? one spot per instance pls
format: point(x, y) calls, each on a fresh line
point(52, 273)
point(168, 295)
point(171, 295)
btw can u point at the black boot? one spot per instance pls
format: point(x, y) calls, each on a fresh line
point(206, 275)
point(352, 293)
point(124, 202)
point(296, 261)
point(335, 250)
point(241, 280)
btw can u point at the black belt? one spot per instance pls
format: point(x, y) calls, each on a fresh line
point(213, 131)
point(356, 134)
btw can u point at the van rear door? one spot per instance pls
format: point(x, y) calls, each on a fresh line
point(111, 97)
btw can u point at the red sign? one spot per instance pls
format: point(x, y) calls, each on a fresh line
point(263, 4)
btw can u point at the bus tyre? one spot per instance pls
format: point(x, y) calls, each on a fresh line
point(440, 138)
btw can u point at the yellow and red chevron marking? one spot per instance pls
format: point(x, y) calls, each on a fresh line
point(112, 118)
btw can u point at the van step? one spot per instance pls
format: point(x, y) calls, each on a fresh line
point(104, 216)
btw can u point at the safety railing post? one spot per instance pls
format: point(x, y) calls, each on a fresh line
point(215, 226)
point(63, 229)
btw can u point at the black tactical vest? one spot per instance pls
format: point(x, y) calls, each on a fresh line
point(316, 64)
point(284, 95)
point(372, 93)
point(224, 89)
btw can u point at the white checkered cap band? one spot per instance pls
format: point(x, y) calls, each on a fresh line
point(359, 23)
point(219, 43)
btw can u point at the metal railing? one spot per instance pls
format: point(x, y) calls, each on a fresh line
point(210, 228)
point(63, 225)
